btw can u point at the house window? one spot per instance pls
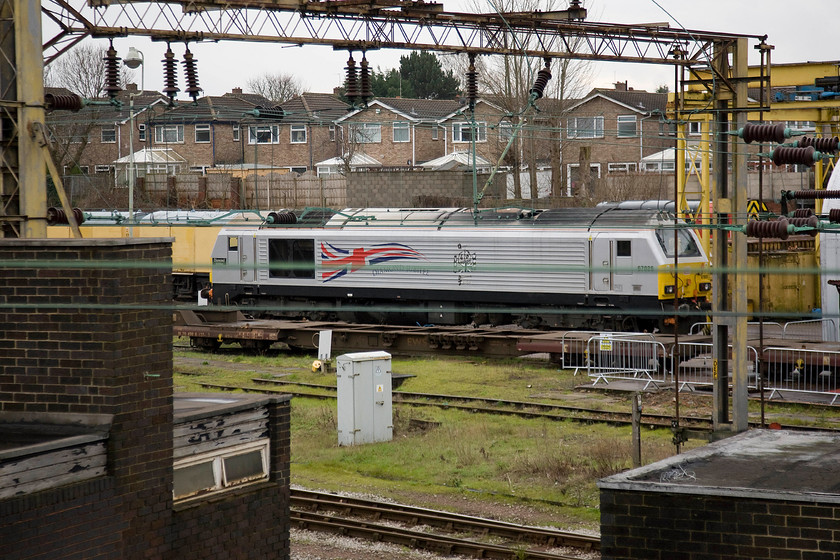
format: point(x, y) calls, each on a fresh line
point(434, 132)
point(108, 134)
point(169, 134)
point(327, 171)
point(298, 134)
point(505, 131)
point(103, 168)
point(266, 134)
point(366, 133)
point(659, 166)
point(202, 134)
point(141, 132)
point(621, 167)
point(463, 132)
point(694, 128)
point(219, 470)
point(626, 126)
point(236, 133)
point(585, 127)
point(332, 133)
point(401, 132)
point(75, 169)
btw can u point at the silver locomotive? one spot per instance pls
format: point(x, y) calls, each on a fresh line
point(599, 268)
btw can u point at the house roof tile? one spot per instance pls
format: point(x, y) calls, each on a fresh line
point(642, 101)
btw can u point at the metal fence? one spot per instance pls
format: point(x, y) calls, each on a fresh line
point(801, 370)
point(620, 357)
point(576, 351)
point(811, 329)
point(692, 365)
point(771, 329)
point(640, 357)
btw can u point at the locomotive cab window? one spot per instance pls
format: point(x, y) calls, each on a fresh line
point(291, 258)
point(686, 245)
point(623, 257)
point(233, 243)
point(622, 249)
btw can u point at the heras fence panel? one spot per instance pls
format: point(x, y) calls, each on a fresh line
point(575, 355)
point(770, 330)
point(811, 329)
point(613, 357)
point(801, 370)
point(693, 365)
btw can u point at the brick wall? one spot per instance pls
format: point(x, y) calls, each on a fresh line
point(611, 148)
point(418, 149)
point(252, 522)
point(677, 526)
point(78, 339)
point(419, 188)
point(92, 340)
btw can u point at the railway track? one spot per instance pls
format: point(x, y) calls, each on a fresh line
point(352, 517)
point(512, 408)
point(481, 404)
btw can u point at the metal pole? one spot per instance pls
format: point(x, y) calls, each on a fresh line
point(132, 62)
point(740, 358)
point(636, 414)
point(32, 173)
point(131, 163)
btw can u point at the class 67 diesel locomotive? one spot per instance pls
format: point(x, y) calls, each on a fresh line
point(597, 268)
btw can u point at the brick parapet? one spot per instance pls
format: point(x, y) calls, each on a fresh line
point(637, 524)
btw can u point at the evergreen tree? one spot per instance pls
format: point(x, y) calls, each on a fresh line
point(426, 76)
point(390, 84)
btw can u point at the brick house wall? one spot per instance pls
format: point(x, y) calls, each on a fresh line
point(489, 142)
point(321, 144)
point(97, 135)
point(420, 146)
point(60, 356)
point(610, 146)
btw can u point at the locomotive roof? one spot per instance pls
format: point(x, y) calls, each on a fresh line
point(465, 217)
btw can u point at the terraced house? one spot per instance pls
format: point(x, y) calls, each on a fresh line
point(609, 131)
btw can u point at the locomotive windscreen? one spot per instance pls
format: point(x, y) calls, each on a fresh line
point(687, 246)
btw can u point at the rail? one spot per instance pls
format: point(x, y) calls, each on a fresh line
point(359, 507)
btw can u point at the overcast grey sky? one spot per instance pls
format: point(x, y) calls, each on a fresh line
point(799, 32)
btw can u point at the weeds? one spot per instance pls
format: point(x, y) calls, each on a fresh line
point(438, 451)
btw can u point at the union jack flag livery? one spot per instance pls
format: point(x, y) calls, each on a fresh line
point(345, 261)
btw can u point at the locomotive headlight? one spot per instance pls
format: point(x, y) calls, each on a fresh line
point(669, 289)
point(705, 286)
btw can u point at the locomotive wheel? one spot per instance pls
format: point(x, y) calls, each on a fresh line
point(205, 344)
point(256, 346)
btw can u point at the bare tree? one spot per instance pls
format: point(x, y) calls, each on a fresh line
point(508, 78)
point(278, 87)
point(82, 71)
